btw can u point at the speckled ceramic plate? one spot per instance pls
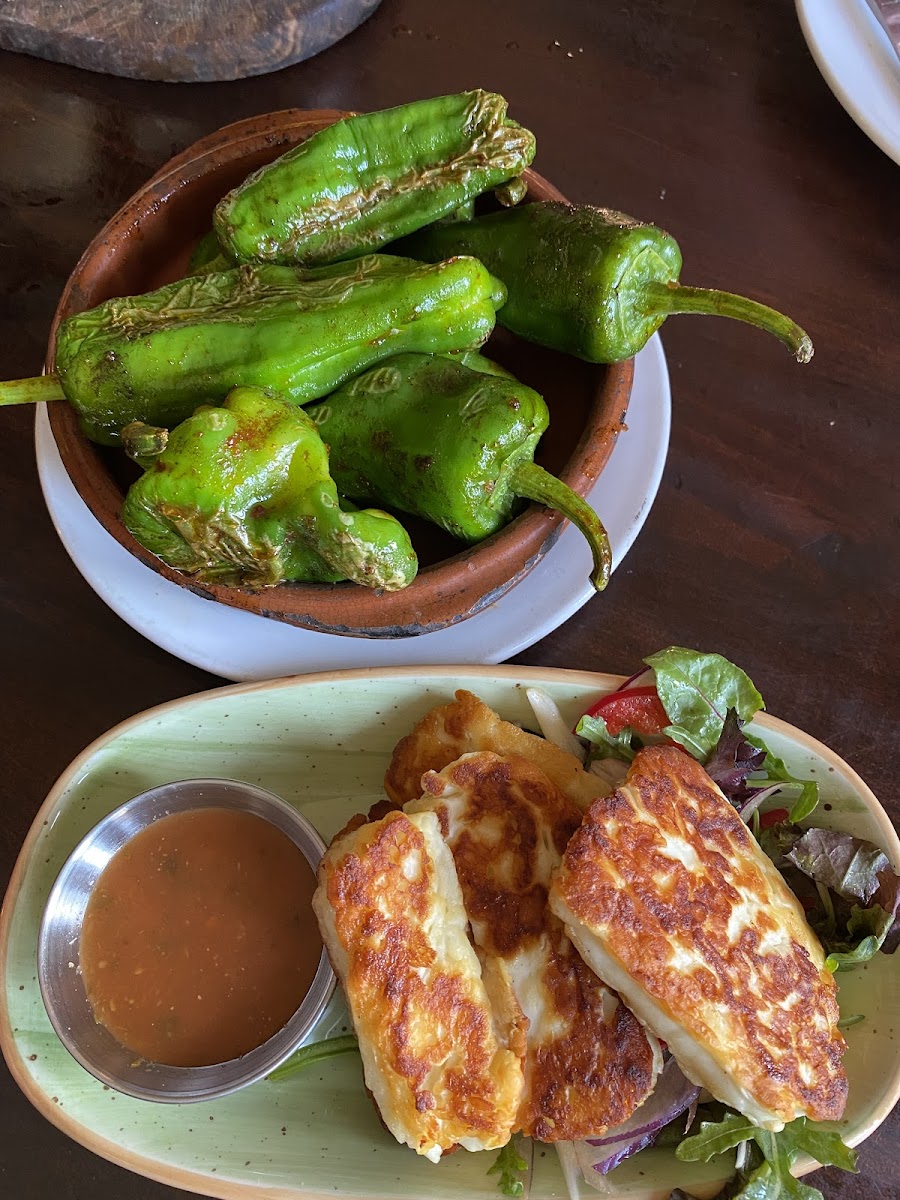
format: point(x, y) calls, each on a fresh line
point(322, 742)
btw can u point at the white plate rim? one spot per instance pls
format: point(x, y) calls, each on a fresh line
point(244, 646)
point(818, 20)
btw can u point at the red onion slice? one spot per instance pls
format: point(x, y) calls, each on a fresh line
point(646, 677)
point(619, 1151)
point(747, 810)
point(674, 1094)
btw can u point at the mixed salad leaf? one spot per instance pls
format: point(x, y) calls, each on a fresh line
point(701, 702)
point(766, 1171)
point(849, 891)
point(513, 1169)
point(697, 691)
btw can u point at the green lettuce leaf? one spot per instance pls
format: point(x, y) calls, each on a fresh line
point(697, 691)
point(773, 770)
point(594, 730)
point(866, 930)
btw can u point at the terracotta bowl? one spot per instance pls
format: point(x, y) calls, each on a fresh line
point(148, 243)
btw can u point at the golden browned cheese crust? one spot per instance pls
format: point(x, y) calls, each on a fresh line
point(435, 1055)
point(466, 725)
point(665, 890)
point(589, 1062)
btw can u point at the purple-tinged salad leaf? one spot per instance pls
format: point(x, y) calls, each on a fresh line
point(856, 870)
point(743, 766)
point(697, 691)
point(732, 759)
point(848, 865)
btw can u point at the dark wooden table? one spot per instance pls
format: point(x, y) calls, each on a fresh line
point(774, 536)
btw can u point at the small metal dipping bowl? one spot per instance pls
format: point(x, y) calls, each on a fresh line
point(59, 973)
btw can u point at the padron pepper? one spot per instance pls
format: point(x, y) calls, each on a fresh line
point(207, 256)
point(241, 495)
point(432, 437)
point(588, 281)
point(300, 332)
point(371, 178)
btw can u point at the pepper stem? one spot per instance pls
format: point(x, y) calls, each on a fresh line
point(31, 391)
point(534, 483)
point(143, 442)
point(673, 298)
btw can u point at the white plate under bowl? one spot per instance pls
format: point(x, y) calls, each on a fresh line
point(243, 646)
point(859, 65)
point(322, 742)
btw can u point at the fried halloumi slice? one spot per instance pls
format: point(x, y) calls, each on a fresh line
point(668, 896)
point(467, 725)
point(436, 1057)
point(589, 1062)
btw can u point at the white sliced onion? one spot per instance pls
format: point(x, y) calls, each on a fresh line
point(553, 727)
point(612, 770)
point(574, 1158)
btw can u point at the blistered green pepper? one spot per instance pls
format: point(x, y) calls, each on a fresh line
point(300, 332)
point(588, 281)
point(208, 256)
point(429, 436)
point(360, 183)
point(241, 494)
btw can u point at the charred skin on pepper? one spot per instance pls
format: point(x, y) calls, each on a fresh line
point(368, 179)
point(425, 435)
point(241, 495)
point(590, 282)
point(301, 332)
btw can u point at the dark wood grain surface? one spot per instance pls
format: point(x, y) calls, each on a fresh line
point(774, 538)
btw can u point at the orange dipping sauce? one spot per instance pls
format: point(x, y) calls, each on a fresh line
point(199, 940)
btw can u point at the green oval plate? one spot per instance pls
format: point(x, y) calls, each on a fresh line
point(323, 742)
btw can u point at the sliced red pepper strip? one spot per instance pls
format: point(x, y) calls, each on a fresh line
point(774, 817)
point(640, 708)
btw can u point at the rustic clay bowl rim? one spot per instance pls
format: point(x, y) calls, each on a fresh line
point(442, 594)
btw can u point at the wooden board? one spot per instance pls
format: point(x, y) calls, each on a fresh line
point(188, 42)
